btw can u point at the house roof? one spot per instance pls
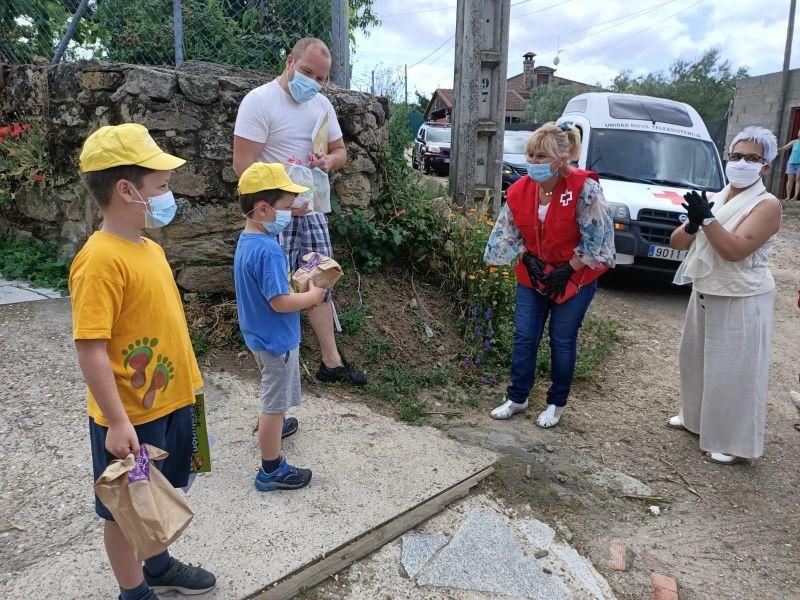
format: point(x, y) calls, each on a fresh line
point(514, 101)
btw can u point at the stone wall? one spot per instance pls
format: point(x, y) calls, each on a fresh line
point(756, 103)
point(190, 112)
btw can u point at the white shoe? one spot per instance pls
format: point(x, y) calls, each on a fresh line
point(676, 422)
point(550, 416)
point(724, 459)
point(508, 409)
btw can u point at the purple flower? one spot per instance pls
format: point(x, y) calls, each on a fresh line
point(484, 381)
point(486, 345)
point(477, 361)
point(490, 331)
point(488, 314)
point(467, 361)
point(475, 313)
point(477, 331)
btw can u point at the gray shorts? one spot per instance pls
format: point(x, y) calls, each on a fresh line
point(793, 169)
point(280, 380)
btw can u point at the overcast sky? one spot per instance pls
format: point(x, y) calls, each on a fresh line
point(597, 39)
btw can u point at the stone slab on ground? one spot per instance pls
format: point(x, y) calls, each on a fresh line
point(540, 535)
point(419, 549)
point(484, 556)
point(580, 568)
point(366, 471)
point(16, 290)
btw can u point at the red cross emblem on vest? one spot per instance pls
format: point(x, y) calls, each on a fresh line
point(673, 197)
point(566, 198)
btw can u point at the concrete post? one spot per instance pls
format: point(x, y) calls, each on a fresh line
point(340, 44)
point(479, 98)
point(177, 28)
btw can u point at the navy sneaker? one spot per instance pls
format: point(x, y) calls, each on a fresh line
point(186, 579)
point(290, 426)
point(285, 477)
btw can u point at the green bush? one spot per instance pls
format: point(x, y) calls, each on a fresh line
point(38, 262)
point(407, 222)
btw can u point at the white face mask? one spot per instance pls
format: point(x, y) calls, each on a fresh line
point(743, 174)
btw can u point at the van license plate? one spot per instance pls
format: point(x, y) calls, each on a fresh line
point(666, 253)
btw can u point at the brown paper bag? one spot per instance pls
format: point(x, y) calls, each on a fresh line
point(323, 271)
point(150, 512)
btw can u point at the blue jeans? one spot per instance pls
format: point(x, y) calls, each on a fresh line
point(530, 316)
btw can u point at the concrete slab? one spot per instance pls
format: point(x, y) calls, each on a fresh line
point(419, 549)
point(485, 556)
point(540, 535)
point(366, 470)
point(580, 568)
point(17, 290)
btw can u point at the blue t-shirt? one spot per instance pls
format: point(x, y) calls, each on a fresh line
point(261, 272)
point(794, 157)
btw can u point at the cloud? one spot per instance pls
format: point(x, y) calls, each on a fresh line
point(749, 33)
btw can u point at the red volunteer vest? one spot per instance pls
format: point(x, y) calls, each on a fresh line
point(555, 240)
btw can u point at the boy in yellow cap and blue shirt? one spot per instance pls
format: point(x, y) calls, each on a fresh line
point(132, 340)
point(269, 315)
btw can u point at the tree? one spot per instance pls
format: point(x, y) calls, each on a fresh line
point(546, 103)
point(706, 83)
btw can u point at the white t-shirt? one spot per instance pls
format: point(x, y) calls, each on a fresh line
point(269, 115)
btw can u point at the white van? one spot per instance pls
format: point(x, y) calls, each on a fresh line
point(648, 152)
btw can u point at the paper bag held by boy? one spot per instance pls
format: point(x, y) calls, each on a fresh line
point(323, 271)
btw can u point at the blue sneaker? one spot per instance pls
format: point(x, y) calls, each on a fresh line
point(285, 477)
point(290, 426)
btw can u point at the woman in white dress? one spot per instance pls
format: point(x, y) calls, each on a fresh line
point(727, 336)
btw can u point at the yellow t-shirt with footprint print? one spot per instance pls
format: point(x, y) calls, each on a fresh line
point(124, 292)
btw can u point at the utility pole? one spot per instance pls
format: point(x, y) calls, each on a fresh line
point(177, 29)
point(405, 70)
point(787, 58)
point(340, 67)
point(481, 66)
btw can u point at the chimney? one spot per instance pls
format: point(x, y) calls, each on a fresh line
point(527, 69)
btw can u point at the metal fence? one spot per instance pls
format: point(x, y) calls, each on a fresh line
point(253, 34)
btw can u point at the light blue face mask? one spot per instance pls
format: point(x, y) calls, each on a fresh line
point(303, 88)
point(158, 210)
point(282, 219)
point(539, 172)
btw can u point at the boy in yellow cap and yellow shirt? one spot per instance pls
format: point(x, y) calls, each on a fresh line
point(132, 340)
point(269, 315)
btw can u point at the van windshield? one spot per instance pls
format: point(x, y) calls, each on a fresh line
point(653, 157)
point(438, 135)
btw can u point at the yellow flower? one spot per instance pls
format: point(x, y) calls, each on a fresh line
point(472, 277)
point(472, 210)
point(505, 273)
point(490, 223)
point(493, 269)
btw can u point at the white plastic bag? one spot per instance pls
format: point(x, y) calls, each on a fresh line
point(302, 176)
point(322, 191)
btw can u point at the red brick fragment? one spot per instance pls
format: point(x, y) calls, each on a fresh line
point(664, 587)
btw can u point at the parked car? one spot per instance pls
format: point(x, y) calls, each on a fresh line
point(648, 152)
point(514, 159)
point(431, 152)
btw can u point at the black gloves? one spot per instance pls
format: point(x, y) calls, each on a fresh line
point(555, 282)
point(534, 265)
point(698, 209)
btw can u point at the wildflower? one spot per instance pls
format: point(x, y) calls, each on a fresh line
point(471, 277)
point(493, 269)
point(505, 273)
point(486, 344)
point(490, 331)
point(490, 223)
point(472, 210)
point(484, 381)
point(467, 361)
point(477, 361)
point(488, 314)
point(474, 313)
point(477, 331)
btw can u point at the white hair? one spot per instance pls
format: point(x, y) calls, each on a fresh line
point(761, 136)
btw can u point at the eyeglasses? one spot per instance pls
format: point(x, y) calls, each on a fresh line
point(751, 158)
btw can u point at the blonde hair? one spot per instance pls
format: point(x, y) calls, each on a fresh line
point(304, 44)
point(556, 140)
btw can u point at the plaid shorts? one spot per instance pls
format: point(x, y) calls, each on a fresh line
point(307, 234)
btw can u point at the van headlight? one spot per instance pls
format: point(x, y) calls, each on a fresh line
point(433, 149)
point(619, 212)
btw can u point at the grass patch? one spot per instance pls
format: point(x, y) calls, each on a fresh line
point(399, 385)
point(376, 349)
point(34, 261)
point(352, 321)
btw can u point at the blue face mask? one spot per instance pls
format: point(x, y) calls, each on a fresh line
point(158, 210)
point(303, 88)
point(282, 219)
point(539, 172)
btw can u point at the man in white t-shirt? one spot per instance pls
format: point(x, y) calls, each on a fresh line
point(275, 123)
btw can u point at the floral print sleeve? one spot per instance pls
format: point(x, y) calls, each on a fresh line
point(596, 248)
point(505, 241)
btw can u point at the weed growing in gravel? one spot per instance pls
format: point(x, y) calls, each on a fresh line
point(399, 385)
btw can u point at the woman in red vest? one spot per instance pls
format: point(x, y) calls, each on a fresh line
point(557, 221)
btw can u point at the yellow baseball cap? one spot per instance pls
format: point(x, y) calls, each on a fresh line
point(126, 144)
point(267, 176)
